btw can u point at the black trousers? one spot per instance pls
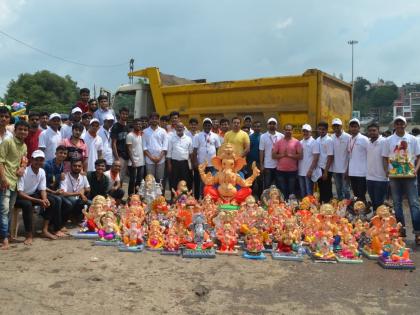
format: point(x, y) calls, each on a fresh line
point(359, 187)
point(196, 183)
point(325, 188)
point(51, 213)
point(180, 171)
point(270, 175)
point(136, 176)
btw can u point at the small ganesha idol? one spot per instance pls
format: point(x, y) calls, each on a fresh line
point(109, 230)
point(200, 244)
point(228, 238)
point(171, 242)
point(155, 236)
point(254, 245)
point(133, 235)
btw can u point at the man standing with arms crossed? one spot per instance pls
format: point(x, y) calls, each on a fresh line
point(326, 158)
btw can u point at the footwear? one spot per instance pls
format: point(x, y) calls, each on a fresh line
point(417, 240)
point(403, 233)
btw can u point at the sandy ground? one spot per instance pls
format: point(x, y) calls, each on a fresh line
point(59, 277)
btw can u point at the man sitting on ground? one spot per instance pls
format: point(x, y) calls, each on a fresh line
point(97, 180)
point(115, 186)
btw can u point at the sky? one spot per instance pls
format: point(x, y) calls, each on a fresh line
point(215, 40)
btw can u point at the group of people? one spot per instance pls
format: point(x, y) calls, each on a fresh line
point(60, 166)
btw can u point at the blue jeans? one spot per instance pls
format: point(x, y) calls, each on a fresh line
point(269, 177)
point(7, 202)
point(377, 192)
point(409, 186)
point(286, 182)
point(306, 186)
point(341, 186)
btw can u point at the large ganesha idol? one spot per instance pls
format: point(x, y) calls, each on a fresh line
point(224, 185)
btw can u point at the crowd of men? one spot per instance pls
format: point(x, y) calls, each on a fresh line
point(60, 165)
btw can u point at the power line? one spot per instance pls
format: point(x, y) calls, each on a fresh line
point(58, 57)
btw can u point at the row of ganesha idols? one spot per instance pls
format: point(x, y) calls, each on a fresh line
point(337, 231)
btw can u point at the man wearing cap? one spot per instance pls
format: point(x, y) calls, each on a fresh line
point(287, 152)
point(403, 141)
point(357, 168)
point(105, 134)
point(325, 161)
point(155, 147)
point(308, 170)
point(75, 117)
point(103, 109)
point(205, 145)
point(341, 141)
point(12, 165)
point(51, 138)
point(238, 138)
point(94, 144)
point(267, 163)
point(32, 191)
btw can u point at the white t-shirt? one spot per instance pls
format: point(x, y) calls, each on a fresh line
point(267, 141)
point(30, 182)
point(206, 145)
point(179, 148)
point(394, 142)
point(93, 144)
point(106, 145)
point(111, 180)
point(375, 170)
point(136, 142)
point(155, 141)
point(326, 148)
point(309, 148)
point(341, 153)
point(49, 141)
point(66, 131)
point(6, 135)
point(358, 155)
point(71, 184)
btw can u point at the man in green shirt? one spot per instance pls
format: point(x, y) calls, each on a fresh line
point(13, 162)
point(97, 180)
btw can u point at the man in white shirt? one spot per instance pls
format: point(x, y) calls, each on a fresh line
point(94, 144)
point(205, 145)
point(74, 189)
point(105, 134)
point(75, 117)
point(325, 161)
point(407, 145)
point(180, 149)
point(4, 122)
point(51, 137)
point(268, 164)
point(103, 109)
point(341, 141)
point(155, 145)
point(134, 143)
point(31, 192)
point(357, 169)
point(376, 178)
point(308, 170)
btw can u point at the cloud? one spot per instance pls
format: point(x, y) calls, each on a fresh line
point(284, 23)
point(9, 11)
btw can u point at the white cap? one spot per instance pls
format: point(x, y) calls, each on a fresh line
point(37, 154)
point(54, 115)
point(207, 120)
point(337, 121)
point(248, 117)
point(271, 120)
point(109, 116)
point(307, 127)
point(354, 120)
point(93, 120)
point(400, 118)
point(76, 110)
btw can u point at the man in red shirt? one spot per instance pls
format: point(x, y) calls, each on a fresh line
point(287, 151)
point(34, 133)
point(84, 99)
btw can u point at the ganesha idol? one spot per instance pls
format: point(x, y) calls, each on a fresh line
point(227, 185)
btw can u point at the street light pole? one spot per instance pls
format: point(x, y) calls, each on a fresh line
point(352, 43)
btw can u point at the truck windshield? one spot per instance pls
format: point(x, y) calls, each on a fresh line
point(124, 99)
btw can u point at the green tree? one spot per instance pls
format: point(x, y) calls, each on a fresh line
point(361, 88)
point(383, 96)
point(43, 91)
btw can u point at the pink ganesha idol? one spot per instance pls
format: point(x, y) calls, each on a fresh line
point(224, 185)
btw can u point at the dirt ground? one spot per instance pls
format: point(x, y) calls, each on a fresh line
point(60, 277)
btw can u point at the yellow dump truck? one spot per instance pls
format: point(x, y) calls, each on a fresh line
point(307, 98)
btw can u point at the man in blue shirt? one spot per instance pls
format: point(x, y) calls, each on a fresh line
point(254, 156)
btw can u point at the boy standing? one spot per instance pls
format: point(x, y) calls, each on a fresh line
point(94, 144)
point(12, 165)
point(135, 152)
point(4, 121)
point(51, 137)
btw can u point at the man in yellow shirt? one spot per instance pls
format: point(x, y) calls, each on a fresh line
point(238, 138)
